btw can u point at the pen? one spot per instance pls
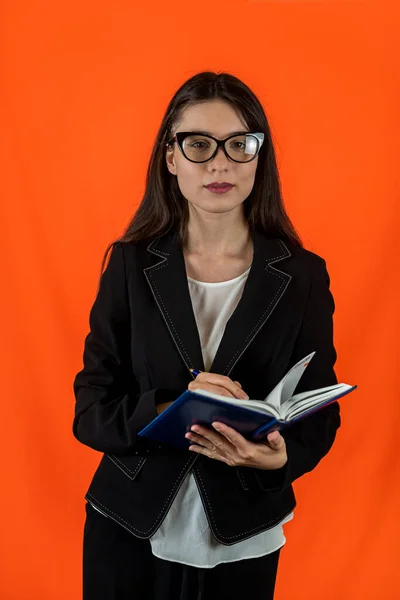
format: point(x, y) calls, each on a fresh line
point(194, 372)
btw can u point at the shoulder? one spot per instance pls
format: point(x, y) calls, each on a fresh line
point(302, 258)
point(145, 252)
point(304, 266)
point(129, 251)
point(131, 259)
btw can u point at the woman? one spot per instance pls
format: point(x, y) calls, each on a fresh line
point(210, 275)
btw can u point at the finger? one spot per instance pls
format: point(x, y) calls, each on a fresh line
point(223, 382)
point(238, 384)
point(201, 440)
point(208, 387)
point(209, 453)
point(233, 437)
point(275, 440)
point(213, 438)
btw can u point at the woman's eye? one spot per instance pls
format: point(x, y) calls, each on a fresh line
point(196, 145)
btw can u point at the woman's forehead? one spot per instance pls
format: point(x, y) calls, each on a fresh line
point(218, 119)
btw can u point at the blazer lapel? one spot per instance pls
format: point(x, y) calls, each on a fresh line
point(168, 282)
point(263, 290)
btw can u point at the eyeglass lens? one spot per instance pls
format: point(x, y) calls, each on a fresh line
point(200, 147)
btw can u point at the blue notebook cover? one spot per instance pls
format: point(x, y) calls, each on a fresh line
point(191, 408)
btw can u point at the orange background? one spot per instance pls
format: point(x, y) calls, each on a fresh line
point(84, 87)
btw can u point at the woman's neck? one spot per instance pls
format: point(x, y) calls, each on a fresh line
point(217, 248)
point(218, 236)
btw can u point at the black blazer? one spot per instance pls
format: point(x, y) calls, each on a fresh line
point(143, 340)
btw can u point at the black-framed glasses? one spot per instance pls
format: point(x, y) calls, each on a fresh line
point(199, 147)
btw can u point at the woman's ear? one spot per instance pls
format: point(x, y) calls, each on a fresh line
point(170, 159)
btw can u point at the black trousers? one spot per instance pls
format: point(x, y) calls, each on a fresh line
point(119, 566)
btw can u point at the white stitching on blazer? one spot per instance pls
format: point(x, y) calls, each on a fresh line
point(124, 468)
point(170, 499)
point(228, 537)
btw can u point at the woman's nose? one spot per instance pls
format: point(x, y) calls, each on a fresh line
point(220, 158)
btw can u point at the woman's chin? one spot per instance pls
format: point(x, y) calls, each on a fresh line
point(216, 206)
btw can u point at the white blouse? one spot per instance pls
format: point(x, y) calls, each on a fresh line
point(185, 535)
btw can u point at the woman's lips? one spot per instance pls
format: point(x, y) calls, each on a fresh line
point(218, 188)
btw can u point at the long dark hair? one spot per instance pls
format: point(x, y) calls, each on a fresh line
point(163, 206)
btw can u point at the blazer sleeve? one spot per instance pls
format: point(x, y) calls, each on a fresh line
point(310, 439)
point(109, 410)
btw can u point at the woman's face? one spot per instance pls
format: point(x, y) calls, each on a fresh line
point(220, 120)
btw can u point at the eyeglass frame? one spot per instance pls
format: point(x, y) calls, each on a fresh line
point(181, 135)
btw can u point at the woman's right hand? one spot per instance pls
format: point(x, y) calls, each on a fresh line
point(211, 382)
point(218, 384)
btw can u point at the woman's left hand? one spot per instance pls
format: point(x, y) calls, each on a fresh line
point(227, 445)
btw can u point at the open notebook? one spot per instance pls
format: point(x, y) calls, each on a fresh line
point(254, 419)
